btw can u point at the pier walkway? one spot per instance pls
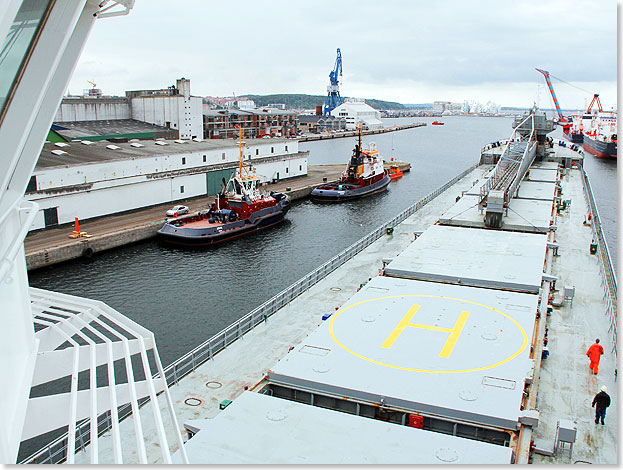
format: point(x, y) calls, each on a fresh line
point(338, 135)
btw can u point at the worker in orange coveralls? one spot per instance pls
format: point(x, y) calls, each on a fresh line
point(594, 353)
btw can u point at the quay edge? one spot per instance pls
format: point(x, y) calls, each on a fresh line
point(52, 246)
point(339, 135)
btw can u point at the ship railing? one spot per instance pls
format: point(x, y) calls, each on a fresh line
point(56, 451)
point(207, 350)
point(608, 274)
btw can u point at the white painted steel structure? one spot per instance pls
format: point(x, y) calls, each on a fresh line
point(43, 41)
point(389, 345)
point(284, 432)
point(473, 257)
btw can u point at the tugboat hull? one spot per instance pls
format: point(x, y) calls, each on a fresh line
point(332, 193)
point(197, 236)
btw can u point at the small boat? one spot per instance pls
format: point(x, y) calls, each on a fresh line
point(238, 210)
point(437, 123)
point(395, 172)
point(364, 175)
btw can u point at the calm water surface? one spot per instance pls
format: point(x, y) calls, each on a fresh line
point(186, 296)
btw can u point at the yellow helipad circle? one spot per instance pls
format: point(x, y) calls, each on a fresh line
point(361, 356)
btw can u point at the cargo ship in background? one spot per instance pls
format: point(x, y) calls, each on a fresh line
point(364, 175)
point(600, 130)
point(239, 209)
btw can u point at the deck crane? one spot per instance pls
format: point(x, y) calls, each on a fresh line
point(566, 123)
point(333, 96)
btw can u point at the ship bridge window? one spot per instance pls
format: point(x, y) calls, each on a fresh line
point(17, 44)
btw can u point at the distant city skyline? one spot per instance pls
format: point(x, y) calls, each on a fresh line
point(407, 52)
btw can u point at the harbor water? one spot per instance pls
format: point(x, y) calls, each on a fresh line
point(185, 296)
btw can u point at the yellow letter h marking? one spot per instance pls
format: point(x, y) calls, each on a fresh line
point(450, 342)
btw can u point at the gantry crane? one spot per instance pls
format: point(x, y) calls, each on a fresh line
point(333, 96)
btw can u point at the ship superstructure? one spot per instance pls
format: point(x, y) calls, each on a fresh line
point(67, 363)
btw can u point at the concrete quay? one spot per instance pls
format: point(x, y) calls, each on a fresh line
point(339, 135)
point(51, 246)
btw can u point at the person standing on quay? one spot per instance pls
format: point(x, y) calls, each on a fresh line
point(602, 400)
point(594, 353)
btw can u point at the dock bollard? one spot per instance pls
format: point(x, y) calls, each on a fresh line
point(288, 188)
point(324, 179)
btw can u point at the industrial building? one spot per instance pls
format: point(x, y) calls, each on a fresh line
point(87, 179)
point(171, 108)
point(355, 111)
point(256, 123)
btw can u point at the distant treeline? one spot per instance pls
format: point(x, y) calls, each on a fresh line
point(298, 101)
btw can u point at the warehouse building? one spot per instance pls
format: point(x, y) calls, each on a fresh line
point(87, 179)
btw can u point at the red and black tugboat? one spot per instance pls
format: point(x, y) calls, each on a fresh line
point(239, 209)
point(364, 175)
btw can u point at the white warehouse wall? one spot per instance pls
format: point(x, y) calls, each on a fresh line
point(92, 110)
point(185, 115)
point(135, 192)
point(59, 177)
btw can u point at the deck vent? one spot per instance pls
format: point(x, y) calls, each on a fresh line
point(136, 145)
point(160, 142)
point(86, 142)
point(113, 147)
point(59, 152)
point(61, 144)
point(179, 141)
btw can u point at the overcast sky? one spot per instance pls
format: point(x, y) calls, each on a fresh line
point(410, 51)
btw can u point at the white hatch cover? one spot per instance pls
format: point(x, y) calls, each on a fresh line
point(246, 432)
point(474, 257)
point(459, 353)
point(524, 215)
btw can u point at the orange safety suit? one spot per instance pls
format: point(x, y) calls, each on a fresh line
point(594, 353)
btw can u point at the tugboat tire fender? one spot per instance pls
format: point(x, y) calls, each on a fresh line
point(87, 252)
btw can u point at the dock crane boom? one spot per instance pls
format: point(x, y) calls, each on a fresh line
point(333, 96)
point(545, 73)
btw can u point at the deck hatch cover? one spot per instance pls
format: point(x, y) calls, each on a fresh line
point(500, 383)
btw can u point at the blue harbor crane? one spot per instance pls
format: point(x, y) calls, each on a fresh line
point(333, 97)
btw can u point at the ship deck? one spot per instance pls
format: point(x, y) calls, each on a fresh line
point(565, 387)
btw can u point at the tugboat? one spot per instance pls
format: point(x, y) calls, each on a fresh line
point(364, 175)
point(238, 210)
point(437, 123)
point(395, 172)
